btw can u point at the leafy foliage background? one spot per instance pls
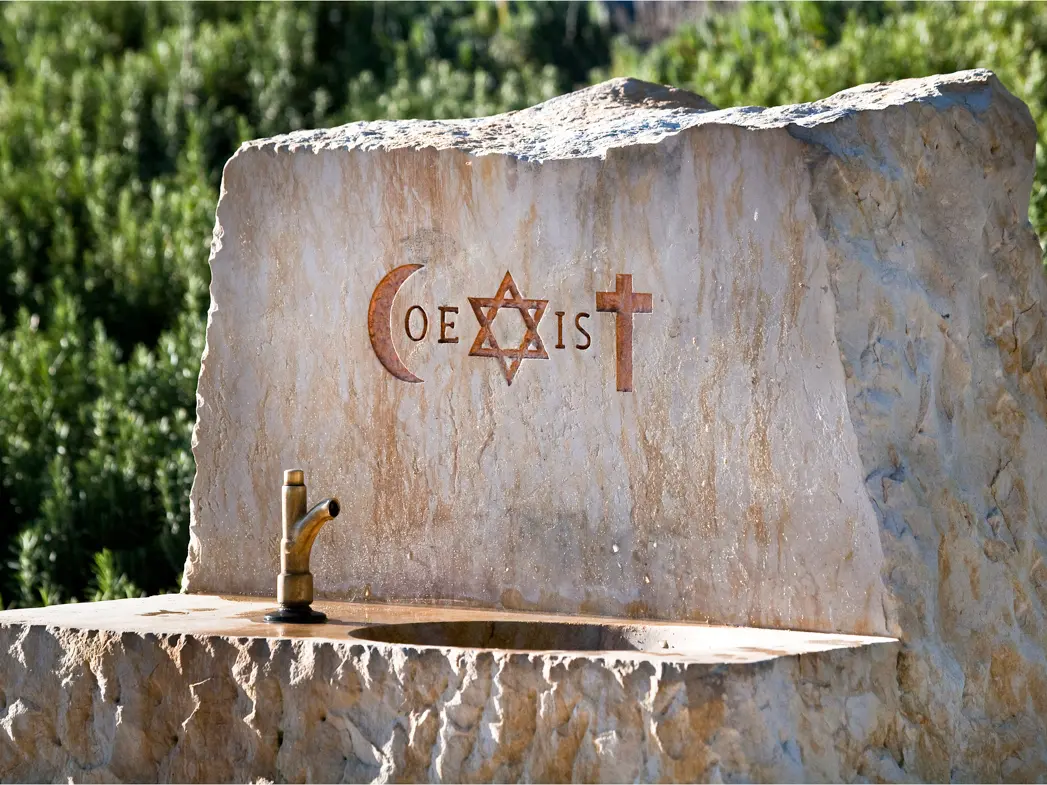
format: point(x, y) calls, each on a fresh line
point(116, 119)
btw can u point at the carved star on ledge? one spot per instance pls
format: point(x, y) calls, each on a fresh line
point(486, 345)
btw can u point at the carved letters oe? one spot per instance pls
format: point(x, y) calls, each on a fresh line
point(623, 302)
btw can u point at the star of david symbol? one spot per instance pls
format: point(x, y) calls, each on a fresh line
point(486, 345)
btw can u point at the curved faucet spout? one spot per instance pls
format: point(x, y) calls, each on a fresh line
point(303, 532)
point(294, 585)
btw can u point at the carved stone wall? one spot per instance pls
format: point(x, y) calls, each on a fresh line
point(581, 358)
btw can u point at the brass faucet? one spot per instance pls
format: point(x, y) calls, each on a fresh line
point(294, 586)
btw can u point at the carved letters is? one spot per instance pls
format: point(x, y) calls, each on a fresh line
point(623, 302)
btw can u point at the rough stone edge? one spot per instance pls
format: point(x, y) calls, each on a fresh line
point(633, 112)
point(732, 719)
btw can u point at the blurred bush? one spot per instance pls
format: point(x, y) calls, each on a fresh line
point(117, 118)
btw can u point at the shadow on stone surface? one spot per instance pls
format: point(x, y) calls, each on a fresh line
point(530, 636)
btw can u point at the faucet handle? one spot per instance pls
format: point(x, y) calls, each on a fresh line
point(294, 477)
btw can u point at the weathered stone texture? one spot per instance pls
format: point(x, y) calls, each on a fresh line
point(727, 488)
point(141, 708)
point(939, 297)
point(876, 243)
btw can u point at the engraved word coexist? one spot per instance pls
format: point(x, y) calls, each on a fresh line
point(507, 303)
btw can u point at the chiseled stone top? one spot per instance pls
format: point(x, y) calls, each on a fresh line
point(624, 112)
point(801, 380)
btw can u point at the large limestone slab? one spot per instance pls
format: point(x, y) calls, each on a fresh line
point(833, 397)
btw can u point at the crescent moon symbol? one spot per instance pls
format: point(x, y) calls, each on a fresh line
point(379, 324)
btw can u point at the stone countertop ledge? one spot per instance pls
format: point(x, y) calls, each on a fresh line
point(197, 688)
point(207, 616)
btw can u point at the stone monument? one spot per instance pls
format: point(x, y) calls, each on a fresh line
point(572, 359)
point(672, 443)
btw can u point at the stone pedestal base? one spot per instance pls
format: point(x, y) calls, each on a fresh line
point(198, 688)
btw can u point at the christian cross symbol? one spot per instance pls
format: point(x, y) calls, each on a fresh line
point(623, 303)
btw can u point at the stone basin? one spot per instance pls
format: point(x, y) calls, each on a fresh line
point(191, 688)
point(538, 636)
point(437, 626)
point(535, 633)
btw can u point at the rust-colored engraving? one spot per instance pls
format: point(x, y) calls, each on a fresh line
point(559, 329)
point(407, 322)
point(446, 325)
point(578, 326)
point(486, 345)
point(379, 321)
point(624, 303)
